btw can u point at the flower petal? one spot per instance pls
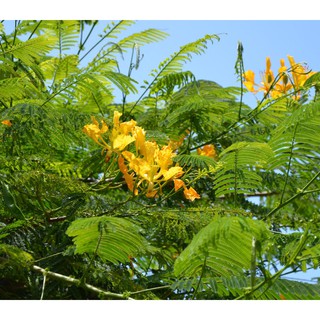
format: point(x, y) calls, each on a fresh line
point(191, 194)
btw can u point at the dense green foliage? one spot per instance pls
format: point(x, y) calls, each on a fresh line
point(70, 225)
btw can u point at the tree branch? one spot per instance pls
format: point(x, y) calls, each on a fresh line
point(77, 282)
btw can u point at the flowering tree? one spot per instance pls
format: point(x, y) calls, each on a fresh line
point(150, 199)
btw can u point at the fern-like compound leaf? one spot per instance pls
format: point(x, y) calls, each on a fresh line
point(112, 239)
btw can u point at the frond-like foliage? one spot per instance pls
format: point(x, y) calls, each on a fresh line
point(203, 106)
point(167, 84)
point(235, 174)
point(16, 89)
point(194, 160)
point(236, 286)
point(30, 51)
point(142, 38)
point(59, 69)
point(112, 239)
point(66, 31)
point(175, 62)
point(300, 144)
point(224, 247)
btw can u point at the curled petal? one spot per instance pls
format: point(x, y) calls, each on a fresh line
point(191, 194)
point(7, 123)
point(178, 183)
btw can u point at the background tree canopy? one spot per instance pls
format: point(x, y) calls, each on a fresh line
point(108, 198)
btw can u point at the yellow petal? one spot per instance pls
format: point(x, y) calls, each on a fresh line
point(116, 117)
point(282, 68)
point(121, 141)
point(127, 127)
point(139, 135)
point(172, 172)
point(268, 64)
point(249, 80)
point(149, 151)
point(164, 157)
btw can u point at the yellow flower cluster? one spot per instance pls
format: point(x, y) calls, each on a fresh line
point(285, 82)
point(149, 168)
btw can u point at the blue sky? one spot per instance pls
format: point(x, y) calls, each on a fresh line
point(260, 39)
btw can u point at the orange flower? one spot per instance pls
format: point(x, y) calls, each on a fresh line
point(178, 183)
point(208, 150)
point(127, 177)
point(7, 123)
point(191, 194)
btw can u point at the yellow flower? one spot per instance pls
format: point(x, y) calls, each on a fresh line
point(153, 166)
point(116, 119)
point(249, 80)
point(121, 135)
point(267, 79)
point(284, 84)
point(164, 157)
point(299, 73)
point(95, 132)
point(149, 168)
point(139, 135)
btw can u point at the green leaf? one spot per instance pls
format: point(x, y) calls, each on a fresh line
point(224, 246)
point(195, 160)
point(112, 239)
point(32, 49)
point(238, 167)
